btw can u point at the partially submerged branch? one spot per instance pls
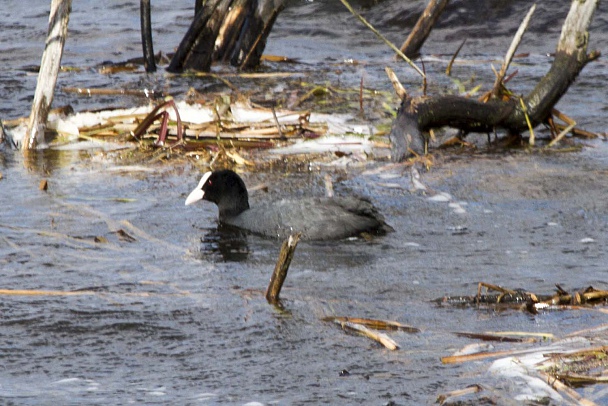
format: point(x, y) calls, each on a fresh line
point(418, 115)
point(280, 271)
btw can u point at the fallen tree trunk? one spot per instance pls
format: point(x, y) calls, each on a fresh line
point(418, 115)
point(226, 30)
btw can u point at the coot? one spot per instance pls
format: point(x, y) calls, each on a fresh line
point(317, 218)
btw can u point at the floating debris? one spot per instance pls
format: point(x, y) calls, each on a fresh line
point(215, 126)
point(365, 326)
point(523, 300)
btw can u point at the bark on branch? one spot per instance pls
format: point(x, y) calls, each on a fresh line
point(422, 29)
point(47, 76)
point(417, 115)
point(226, 30)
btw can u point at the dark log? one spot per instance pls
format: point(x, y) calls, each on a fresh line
point(196, 49)
point(146, 36)
point(198, 5)
point(227, 30)
point(417, 115)
point(251, 44)
point(422, 29)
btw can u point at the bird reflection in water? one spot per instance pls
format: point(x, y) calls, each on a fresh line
point(227, 242)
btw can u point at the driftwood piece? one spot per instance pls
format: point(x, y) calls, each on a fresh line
point(280, 270)
point(381, 338)
point(418, 115)
point(226, 30)
point(375, 324)
point(422, 29)
point(443, 398)
point(49, 69)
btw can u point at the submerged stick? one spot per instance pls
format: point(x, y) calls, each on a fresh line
point(47, 77)
point(280, 270)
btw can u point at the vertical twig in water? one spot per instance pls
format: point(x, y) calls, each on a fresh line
point(146, 36)
point(531, 140)
point(361, 97)
point(49, 69)
point(280, 270)
point(448, 70)
point(424, 82)
point(276, 121)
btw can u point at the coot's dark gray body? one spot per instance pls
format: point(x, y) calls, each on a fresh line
point(320, 218)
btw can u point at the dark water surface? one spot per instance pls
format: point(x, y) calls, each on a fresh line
point(169, 317)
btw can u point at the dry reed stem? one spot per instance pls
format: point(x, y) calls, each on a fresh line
point(511, 51)
point(448, 70)
point(399, 89)
point(384, 39)
point(374, 323)
point(532, 138)
point(383, 339)
point(454, 359)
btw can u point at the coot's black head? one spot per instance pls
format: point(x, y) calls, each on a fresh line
point(224, 188)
